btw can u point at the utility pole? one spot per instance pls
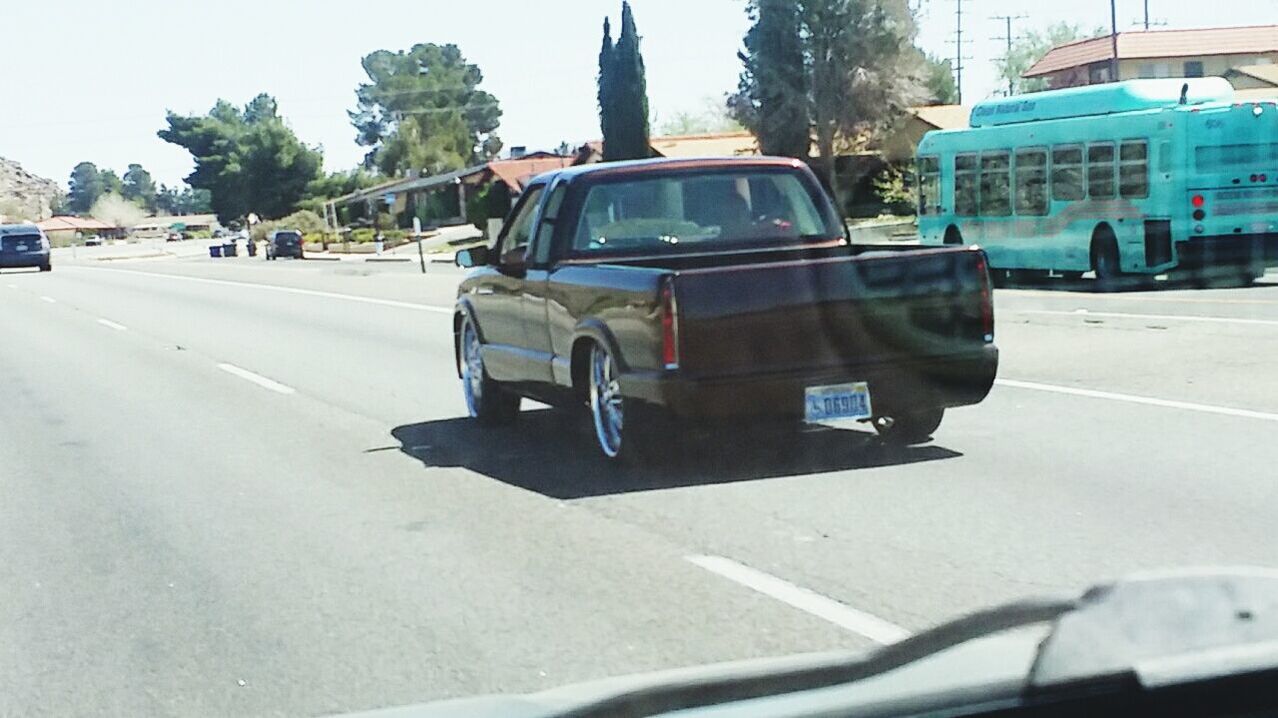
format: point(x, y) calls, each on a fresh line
point(1009, 37)
point(1113, 40)
point(959, 57)
point(1147, 14)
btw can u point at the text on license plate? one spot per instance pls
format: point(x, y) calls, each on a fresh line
point(838, 401)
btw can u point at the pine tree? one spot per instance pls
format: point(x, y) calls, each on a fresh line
point(772, 99)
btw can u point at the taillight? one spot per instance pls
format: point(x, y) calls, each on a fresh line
point(1197, 200)
point(669, 326)
point(987, 300)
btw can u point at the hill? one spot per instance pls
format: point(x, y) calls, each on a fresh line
point(24, 196)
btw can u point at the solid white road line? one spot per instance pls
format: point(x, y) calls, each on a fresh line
point(112, 325)
point(284, 290)
point(11, 286)
point(50, 300)
point(1148, 401)
point(872, 627)
point(256, 379)
point(1156, 298)
point(1147, 317)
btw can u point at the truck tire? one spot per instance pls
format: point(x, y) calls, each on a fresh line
point(909, 428)
point(487, 400)
point(625, 430)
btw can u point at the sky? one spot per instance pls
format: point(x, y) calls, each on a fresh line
point(88, 80)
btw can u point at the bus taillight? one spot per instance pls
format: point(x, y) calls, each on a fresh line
point(1197, 201)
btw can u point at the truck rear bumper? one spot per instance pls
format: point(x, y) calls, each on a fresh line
point(894, 388)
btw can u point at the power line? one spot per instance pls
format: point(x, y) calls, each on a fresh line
point(1009, 38)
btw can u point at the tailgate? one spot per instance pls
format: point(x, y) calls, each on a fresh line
point(817, 315)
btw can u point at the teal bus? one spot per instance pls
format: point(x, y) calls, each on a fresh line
point(1142, 177)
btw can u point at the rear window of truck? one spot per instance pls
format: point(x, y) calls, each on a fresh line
point(701, 210)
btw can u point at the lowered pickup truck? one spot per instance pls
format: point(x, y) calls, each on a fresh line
point(661, 291)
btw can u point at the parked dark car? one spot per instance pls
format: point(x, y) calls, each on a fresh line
point(284, 243)
point(662, 291)
point(24, 245)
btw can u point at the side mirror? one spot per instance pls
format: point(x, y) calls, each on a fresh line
point(473, 257)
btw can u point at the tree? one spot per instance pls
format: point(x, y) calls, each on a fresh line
point(423, 110)
point(111, 182)
point(623, 93)
point(171, 201)
point(139, 187)
point(337, 184)
point(1031, 48)
point(116, 210)
point(713, 118)
point(854, 70)
point(85, 187)
point(938, 79)
point(248, 160)
point(772, 95)
point(860, 78)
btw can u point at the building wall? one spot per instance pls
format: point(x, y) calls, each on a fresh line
point(1213, 66)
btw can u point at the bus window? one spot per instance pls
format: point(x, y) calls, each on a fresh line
point(1067, 173)
point(966, 187)
point(929, 185)
point(1133, 169)
point(1100, 170)
point(1031, 182)
point(996, 184)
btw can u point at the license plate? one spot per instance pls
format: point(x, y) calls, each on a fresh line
point(20, 248)
point(839, 401)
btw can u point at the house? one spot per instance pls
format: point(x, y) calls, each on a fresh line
point(900, 144)
point(1254, 82)
point(63, 229)
point(155, 226)
point(1202, 52)
point(442, 198)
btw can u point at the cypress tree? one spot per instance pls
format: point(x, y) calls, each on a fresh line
point(623, 91)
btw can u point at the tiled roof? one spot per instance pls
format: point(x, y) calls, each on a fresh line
point(1139, 44)
point(76, 224)
point(944, 117)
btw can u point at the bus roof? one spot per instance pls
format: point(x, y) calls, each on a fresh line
point(1111, 98)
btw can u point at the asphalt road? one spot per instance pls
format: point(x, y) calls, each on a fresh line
point(240, 488)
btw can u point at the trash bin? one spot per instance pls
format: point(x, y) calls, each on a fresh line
point(228, 250)
point(215, 250)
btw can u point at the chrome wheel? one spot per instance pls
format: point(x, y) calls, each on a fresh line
point(472, 366)
point(606, 402)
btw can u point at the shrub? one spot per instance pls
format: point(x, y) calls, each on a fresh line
point(305, 221)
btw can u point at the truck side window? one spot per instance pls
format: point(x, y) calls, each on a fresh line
point(546, 229)
point(514, 244)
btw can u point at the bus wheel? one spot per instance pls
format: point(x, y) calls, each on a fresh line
point(953, 235)
point(1105, 259)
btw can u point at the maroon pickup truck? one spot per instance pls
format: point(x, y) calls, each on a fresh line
point(661, 291)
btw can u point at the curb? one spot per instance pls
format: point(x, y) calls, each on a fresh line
point(387, 259)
